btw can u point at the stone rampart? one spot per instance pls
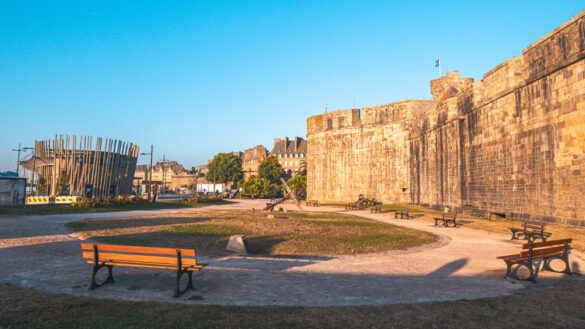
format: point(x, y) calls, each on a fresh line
point(511, 145)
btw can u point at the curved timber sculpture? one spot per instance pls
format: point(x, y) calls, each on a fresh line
point(104, 168)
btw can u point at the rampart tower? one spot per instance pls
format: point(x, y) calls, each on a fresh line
point(511, 144)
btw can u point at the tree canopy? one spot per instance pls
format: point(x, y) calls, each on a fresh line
point(260, 188)
point(299, 182)
point(271, 170)
point(225, 167)
point(62, 187)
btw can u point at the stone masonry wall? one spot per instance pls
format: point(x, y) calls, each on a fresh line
point(512, 144)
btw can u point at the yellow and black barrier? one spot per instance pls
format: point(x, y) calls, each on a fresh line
point(39, 199)
point(65, 199)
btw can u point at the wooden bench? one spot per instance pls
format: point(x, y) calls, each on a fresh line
point(530, 231)
point(376, 208)
point(549, 250)
point(446, 218)
point(104, 255)
point(350, 205)
point(313, 203)
point(402, 212)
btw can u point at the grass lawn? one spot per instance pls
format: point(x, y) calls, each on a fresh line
point(67, 209)
point(562, 307)
point(288, 234)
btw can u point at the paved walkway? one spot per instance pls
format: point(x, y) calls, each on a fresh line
point(36, 252)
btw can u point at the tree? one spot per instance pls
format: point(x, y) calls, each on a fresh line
point(41, 186)
point(255, 186)
point(225, 167)
point(260, 188)
point(299, 183)
point(271, 169)
point(62, 187)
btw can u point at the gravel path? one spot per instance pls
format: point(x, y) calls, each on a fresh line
point(36, 252)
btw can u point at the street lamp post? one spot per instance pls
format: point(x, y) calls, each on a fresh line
point(149, 172)
point(19, 149)
point(164, 160)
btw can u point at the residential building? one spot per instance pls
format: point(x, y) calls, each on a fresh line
point(290, 153)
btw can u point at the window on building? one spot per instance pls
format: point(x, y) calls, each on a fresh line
point(286, 163)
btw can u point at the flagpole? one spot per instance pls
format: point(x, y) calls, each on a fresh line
point(440, 69)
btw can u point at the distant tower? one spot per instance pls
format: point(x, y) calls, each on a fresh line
point(325, 109)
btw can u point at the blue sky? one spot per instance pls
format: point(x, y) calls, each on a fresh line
point(196, 78)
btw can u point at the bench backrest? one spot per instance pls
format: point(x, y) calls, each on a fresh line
point(147, 256)
point(548, 247)
point(449, 215)
point(404, 210)
point(531, 225)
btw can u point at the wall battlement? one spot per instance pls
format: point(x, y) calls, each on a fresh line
point(511, 144)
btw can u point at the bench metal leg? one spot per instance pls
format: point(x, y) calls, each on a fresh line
point(564, 258)
point(514, 273)
point(96, 267)
point(178, 291)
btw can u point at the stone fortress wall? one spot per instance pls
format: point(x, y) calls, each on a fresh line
point(511, 145)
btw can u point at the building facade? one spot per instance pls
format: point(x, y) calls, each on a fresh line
point(169, 175)
point(290, 153)
point(251, 159)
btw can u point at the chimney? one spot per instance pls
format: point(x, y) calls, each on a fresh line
point(285, 144)
point(297, 143)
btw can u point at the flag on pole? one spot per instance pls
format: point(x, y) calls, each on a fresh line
point(438, 62)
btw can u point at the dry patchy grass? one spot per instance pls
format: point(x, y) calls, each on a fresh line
point(562, 307)
point(289, 234)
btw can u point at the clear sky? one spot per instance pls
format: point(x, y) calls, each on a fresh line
point(196, 78)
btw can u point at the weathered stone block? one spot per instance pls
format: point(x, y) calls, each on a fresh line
point(238, 244)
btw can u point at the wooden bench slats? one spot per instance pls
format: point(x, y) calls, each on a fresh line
point(542, 251)
point(548, 250)
point(189, 268)
point(183, 261)
point(530, 230)
point(447, 217)
point(139, 259)
point(402, 212)
point(516, 259)
point(546, 243)
point(139, 250)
